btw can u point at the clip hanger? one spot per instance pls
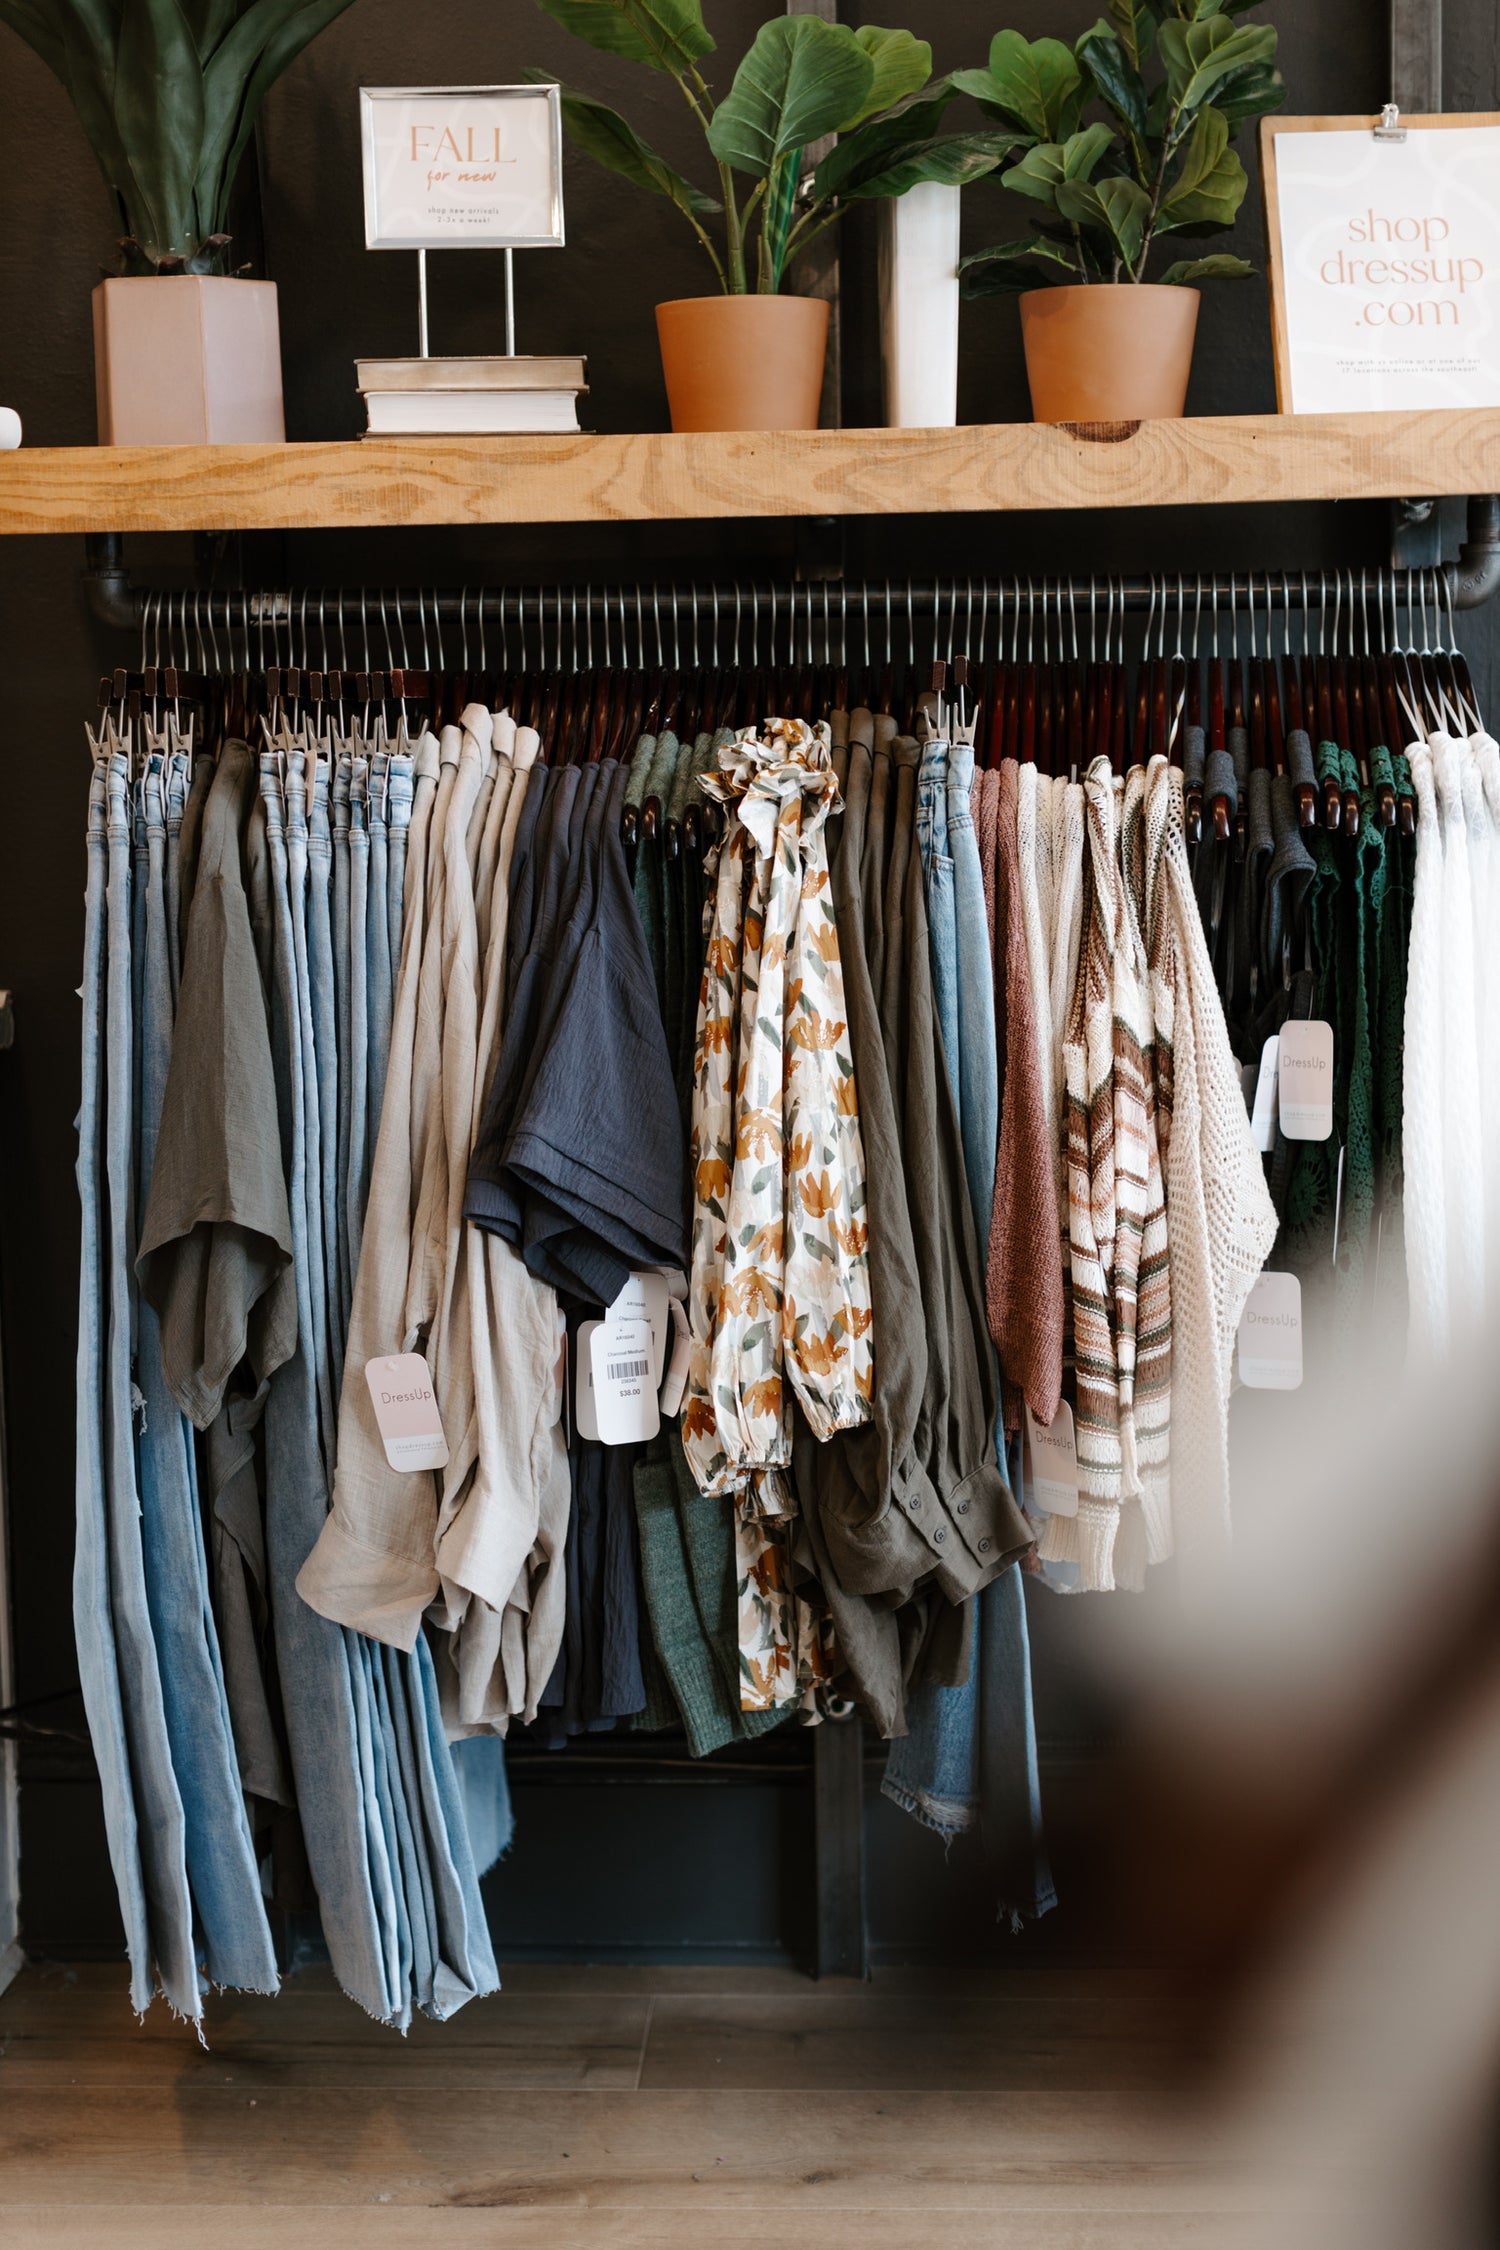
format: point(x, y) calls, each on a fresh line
point(1390, 127)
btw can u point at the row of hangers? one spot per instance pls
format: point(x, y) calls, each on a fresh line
point(1060, 692)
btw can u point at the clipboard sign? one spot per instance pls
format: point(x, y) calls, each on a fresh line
point(1383, 254)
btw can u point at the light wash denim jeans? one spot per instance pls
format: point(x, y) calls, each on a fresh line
point(222, 1871)
point(976, 1060)
point(98, 1655)
point(434, 1944)
point(161, 1827)
point(324, 1003)
point(324, 1688)
point(942, 916)
point(357, 1052)
point(969, 1757)
point(338, 804)
point(382, 985)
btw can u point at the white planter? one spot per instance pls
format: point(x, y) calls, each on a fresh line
point(919, 307)
point(187, 359)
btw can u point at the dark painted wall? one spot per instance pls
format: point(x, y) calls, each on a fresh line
point(709, 1866)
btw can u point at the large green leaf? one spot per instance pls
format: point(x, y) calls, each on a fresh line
point(1135, 27)
point(1211, 185)
point(1117, 78)
point(604, 135)
point(211, 21)
point(1119, 209)
point(159, 114)
point(670, 35)
point(1035, 84)
point(1198, 55)
point(903, 65)
point(88, 31)
point(1252, 92)
point(1217, 268)
point(800, 79)
point(266, 38)
point(1013, 266)
point(873, 145)
point(1042, 169)
point(949, 160)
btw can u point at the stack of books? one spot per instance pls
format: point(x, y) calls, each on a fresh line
point(429, 397)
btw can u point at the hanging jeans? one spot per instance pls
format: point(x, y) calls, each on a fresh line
point(100, 1655)
point(425, 1921)
point(222, 1871)
point(161, 1825)
point(969, 1755)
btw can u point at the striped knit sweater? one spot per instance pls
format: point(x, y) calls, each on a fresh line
point(1116, 1213)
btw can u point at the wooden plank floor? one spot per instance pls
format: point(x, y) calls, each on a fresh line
point(607, 2109)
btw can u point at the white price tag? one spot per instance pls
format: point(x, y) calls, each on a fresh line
point(627, 1351)
point(674, 1382)
point(406, 1411)
point(1263, 1115)
point(1054, 1462)
point(585, 1418)
point(1270, 1339)
point(1305, 1080)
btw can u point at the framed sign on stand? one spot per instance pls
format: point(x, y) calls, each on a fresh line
point(462, 168)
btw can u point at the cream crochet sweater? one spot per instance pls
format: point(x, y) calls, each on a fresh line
point(1221, 1222)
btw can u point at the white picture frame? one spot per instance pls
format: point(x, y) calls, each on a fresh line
point(431, 159)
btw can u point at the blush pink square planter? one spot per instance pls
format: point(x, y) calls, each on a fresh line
point(188, 359)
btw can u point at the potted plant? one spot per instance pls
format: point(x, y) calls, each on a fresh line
point(168, 92)
point(751, 356)
point(1175, 79)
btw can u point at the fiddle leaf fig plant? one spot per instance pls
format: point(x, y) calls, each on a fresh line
point(168, 92)
point(802, 82)
point(1175, 80)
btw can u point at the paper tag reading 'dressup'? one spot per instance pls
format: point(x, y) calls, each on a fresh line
point(1270, 1339)
point(406, 1411)
point(1304, 1074)
point(1054, 1463)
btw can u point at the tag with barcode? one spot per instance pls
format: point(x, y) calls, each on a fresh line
point(626, 1352)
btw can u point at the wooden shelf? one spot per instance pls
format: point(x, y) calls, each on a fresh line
point(996, 467)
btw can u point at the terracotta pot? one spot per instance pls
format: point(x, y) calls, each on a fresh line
point(1109, 352)
point(743, 363)
point(187, 359)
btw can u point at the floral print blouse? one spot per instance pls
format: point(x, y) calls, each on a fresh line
point(780, 1297)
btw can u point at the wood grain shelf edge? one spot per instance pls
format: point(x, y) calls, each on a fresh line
point(997, 467)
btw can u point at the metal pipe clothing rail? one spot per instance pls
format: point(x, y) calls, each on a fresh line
point(828, 620)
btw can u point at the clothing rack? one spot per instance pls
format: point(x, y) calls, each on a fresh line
point(581, 626)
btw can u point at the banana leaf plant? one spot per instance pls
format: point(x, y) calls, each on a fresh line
point(801, 83)
point(1175, 79)
point(168, 92)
